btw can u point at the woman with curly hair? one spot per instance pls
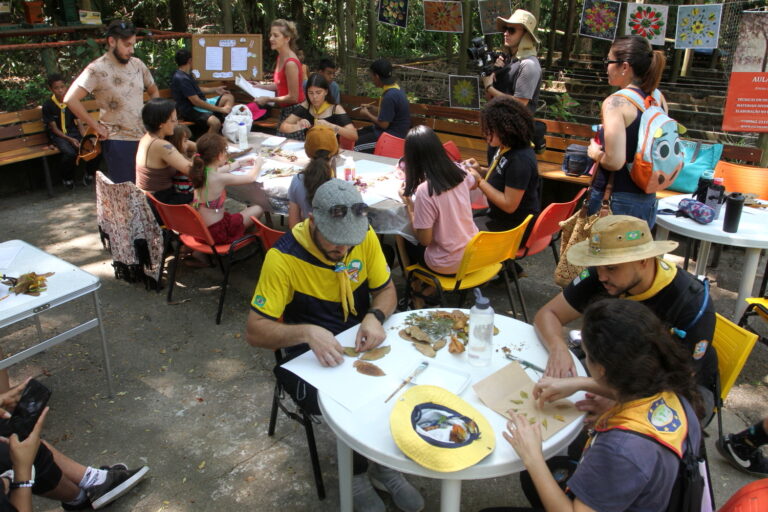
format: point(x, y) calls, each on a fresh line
point(650, 426)
point(511, 182)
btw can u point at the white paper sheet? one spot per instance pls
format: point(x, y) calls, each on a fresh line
point(7, 254)
point(369, 167)
point(214, 58)
point(251, 89)
point(239, 58)
point(272, 142)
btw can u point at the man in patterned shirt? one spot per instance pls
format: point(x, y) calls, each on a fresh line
point(117, 80)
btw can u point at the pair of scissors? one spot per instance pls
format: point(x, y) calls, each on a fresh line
point(526, 364)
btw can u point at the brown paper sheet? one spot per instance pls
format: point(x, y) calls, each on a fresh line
point(510, 388)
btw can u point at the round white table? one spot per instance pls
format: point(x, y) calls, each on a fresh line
point(367, 432)
point(752, 235)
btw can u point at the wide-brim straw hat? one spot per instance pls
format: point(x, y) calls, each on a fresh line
point(439, 430)
point(519, 17)
point(617, 239)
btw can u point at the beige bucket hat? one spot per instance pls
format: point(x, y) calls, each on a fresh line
point(519, 17)
point(618, 239)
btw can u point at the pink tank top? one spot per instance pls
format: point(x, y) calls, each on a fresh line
point(281, 81)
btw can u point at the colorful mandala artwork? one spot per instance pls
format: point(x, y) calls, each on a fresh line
point(599, 19)
point(698, 26)
point(490, 10)
point(393, 12)
point(463, 91)
point(443, 16)
point(647, 20)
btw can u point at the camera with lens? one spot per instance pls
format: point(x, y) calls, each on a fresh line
point(482, 56)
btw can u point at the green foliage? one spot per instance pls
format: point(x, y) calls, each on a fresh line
point(561, 108)
point(20, 95)
point(159, 58)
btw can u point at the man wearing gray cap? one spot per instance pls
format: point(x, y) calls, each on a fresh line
point(324, 276)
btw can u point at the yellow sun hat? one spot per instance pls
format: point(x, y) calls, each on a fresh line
point(439, 430)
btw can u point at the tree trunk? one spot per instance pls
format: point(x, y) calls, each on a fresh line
point(226, 16)
point(465, 37)
point(373, 35)
point(341, 41)
point(351, 33)
point(552, 33)
point(568, 40)
point(178, 14)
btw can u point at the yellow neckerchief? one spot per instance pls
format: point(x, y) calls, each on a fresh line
point(62, 108)
point(502, 149)
point(660, 417)
point(318, 111)
point(303, 236)
point(665, 273)
point(384, 89)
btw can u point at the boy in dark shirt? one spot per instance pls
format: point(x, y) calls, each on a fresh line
point(64, 132)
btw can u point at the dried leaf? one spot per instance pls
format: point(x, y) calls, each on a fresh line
point(438, 344)
point(523, 394)
point(427, 350)
point(376, 353)
point(544, 422)
point(456, 346)
point(367, 368)
point(495, 330)
point(414, 333)
point(559, 418)
point(351, 352)
point(459, 323)
point(518, 402)
point(562, 406)
point(531, 420)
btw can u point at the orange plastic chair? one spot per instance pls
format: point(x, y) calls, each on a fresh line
point(191, 230)
point(547, 226)
point(389, 145)
point(743, 178)
point(267, 235)
point(453, 151)
point(753, 497)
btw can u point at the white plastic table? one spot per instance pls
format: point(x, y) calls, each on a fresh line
point(366, 430)
point(67, 284)
point(752, 235)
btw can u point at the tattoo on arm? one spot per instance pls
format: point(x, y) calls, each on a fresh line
point(615, 102)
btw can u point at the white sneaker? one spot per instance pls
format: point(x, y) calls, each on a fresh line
point(405, 495)
point(364, 496)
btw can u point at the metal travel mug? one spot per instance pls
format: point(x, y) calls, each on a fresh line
point(734, 204)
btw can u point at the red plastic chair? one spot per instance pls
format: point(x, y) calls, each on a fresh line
point(547, 226)
point(389, 145)
point(191, 230)
point(267, 235)
point(753, 497)
point(453, 151)
point(345, 143)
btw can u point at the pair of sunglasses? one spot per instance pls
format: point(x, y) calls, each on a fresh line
point(611, 61)
point(510, 30)
point(339, 211)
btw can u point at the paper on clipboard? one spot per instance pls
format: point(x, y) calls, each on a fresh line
point(252, 90)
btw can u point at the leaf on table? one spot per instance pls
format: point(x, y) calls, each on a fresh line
point(351, 352)
point(376, 353)
point(367, 368)
point(425, 349)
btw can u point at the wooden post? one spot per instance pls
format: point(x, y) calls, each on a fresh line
point(351, 35)
point(226, 16)
point(687, 61)
point(568, 40)
point(762, 143)
point(373, 35)
point(552, 37)
point(466, 36)
point(677, 58)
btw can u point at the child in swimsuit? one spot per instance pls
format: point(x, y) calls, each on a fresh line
point(180, 140)
point(210, 175)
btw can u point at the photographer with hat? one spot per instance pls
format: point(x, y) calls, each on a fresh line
point(391, 116)
point(623, 261)
point(519, 73)
point(326, 275)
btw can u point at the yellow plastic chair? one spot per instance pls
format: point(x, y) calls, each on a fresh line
point(485, 256)
point(757, 307)
point(733, 345)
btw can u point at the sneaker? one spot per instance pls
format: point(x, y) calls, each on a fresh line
point(364, 496)
point(87, 180)
point(119, 481)
point(405, 495)
point(70, 184)
point(743, 456)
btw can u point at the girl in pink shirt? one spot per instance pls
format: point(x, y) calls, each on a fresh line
point(436, 195)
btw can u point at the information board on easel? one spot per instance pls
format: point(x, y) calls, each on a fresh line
point(225, 56)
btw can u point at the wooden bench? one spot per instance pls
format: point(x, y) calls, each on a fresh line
point(23, 137)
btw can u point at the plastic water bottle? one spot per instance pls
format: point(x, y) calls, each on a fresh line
point(242, 136)
point(349, 168)
point(716, 196)
point(480, 346)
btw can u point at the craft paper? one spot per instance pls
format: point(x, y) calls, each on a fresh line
point(648, 21)
point(751, 55)
point(463, 91)
point(698, 26)
point(393, 12)
point(510, 388)
point(599, 19)
point(490, 10)
point(443, 16)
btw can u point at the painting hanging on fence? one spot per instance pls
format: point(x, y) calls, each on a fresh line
point(648, 21)
point(489, 11)
point(443, 16)
point(751, 53)
point(600, 18)
point(463, 91)
point(393, 12)
point(698, 26)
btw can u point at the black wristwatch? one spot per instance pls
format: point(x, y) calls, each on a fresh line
point(19, 485)
point(379, 314)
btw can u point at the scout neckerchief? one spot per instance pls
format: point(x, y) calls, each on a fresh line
point(316, 112)
point(385, 89)
point(660, 417)
point(303, 236)
point(502, 149)
point(62, 108)
point(665, 273)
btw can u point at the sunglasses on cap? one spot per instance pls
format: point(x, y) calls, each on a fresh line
point(340, 210)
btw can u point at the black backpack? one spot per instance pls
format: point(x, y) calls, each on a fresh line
point(688, 491)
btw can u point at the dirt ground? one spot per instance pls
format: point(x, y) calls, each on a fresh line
point(193, 399)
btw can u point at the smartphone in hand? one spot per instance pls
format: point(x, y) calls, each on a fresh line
point(33, 400)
